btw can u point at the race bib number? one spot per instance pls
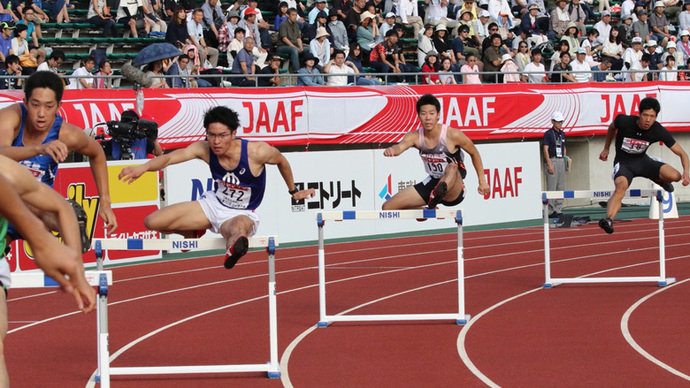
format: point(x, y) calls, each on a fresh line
point(233, 196)
point(34, 169)
point(434, 165)
point(634, 146)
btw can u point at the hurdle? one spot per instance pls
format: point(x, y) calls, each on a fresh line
point(550, 282)
point(272, 367)
point(321, 217)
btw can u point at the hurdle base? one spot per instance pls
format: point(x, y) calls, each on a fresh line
point(593, 280)
point(463, 321)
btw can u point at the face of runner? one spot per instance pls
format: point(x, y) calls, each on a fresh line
point(428, 115)
point(41, 108)
point(647, 118)
point(219, 137)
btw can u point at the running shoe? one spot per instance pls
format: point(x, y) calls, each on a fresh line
point(81, 220)
point(236, 251)
point(437, 195)
point(666, 186)
point(606, 224)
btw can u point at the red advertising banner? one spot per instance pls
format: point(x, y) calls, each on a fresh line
point(347, 115)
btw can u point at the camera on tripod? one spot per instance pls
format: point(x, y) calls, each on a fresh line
point(130, 136)
point(131, 127)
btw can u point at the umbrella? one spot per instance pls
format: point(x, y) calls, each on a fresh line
point(154, 52)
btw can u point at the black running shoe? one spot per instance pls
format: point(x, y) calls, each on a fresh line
point(437, 195)
point(236, 251)
point(81, 219)
point(667, 186)
point(606, 224)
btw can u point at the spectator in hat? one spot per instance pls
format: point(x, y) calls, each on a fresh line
point(533, 24)
point(309, 75)
point(600, 72)
point(409, 15)
point(671, 50)
point(244, 64)
point(320, 46)
point(479, 30)
point(658, 24)
point(655, 62)
point(430, 67)
point(320, 21)
point(339, 69)
point(320, 6)
point(559, 19)
point(581, 69)
point(227, 32)
point(683, 45)
point(13, 69)
point(367, 32)
point(571, 36)
point(424, 44)
point(273, 69)
point(632, 57)
point(388, 23)
point(290, 39)
point(554, 152)
point(684, 17)
point(625, 30)
point(641, 27)
point(441, 41)
point(251, 28)
point(604, 26)
point(628, 8)
point(535, 72)
point(6, 40)
point(82, 78)
point(264, 39)
point(511, 73)
point(338, 32)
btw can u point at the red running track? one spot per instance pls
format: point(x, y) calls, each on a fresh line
point(519, 335)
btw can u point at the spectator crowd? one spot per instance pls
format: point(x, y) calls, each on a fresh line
point(340, 42)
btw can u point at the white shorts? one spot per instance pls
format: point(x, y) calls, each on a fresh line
point(5, 273)
point(217, 213)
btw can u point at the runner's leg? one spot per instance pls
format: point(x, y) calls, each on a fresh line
point(235, 232)
point(181, 218)
point(614, 204)
point(408, 198)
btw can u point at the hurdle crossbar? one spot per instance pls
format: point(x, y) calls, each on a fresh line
point(456, 214)
point(272, 367)
point(550, 282)
point(38, 279)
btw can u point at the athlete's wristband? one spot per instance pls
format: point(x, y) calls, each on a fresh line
point(293, 191)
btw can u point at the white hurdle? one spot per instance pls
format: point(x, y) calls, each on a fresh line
point(272, 367)
point(324, 320)
point(661, 280)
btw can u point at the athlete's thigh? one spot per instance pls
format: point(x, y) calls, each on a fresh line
point(457, 187)
point(408, 198)
point(239, 225)
point(180, 216)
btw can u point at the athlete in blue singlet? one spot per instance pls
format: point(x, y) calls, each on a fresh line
point(238, 170)
point(33, 134)
point(440, 148)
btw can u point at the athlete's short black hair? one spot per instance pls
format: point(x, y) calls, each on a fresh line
point(650, 103)
point(222, 115)
point(428, 99)
point(44, 79)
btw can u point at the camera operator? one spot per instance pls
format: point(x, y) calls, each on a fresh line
point(131, 138)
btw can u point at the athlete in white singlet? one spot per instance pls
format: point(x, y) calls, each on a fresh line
point(441, 149)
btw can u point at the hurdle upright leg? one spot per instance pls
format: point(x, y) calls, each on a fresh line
point(103, 373)
point(547, 242)
point(323, 322)
point(463, 318)
point(274, 368)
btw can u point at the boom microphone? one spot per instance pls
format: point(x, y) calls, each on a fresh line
point(132, 74)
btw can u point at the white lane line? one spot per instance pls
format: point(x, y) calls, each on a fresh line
point(628, 336)
point(462, 351)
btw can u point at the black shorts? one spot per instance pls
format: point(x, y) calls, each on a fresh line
point(427, 186)
point(644, 166)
